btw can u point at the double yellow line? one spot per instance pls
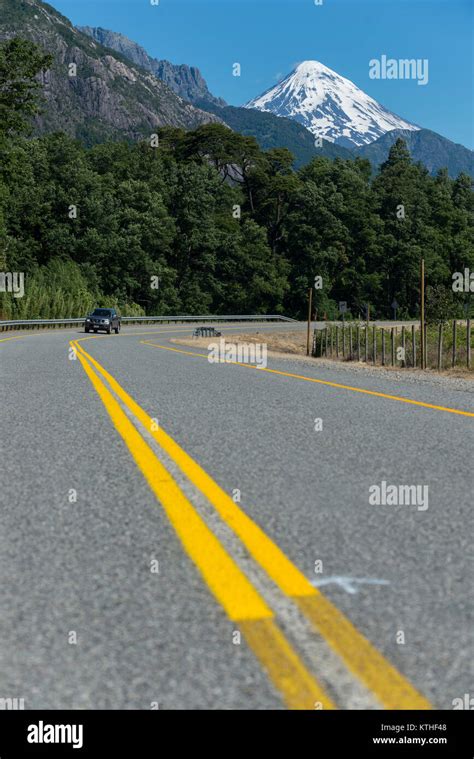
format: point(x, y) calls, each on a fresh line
point(228, 583)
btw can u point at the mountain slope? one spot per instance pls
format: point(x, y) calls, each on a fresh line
point(185, 81)
point(433, 150)
point(273, 132)
point(329, 105)
point(108, 97)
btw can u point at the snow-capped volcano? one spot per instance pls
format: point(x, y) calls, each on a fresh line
point(329, 105)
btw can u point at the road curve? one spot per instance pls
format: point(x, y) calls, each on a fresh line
point(180, 534)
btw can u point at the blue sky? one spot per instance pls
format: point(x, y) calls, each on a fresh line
point(269, 37)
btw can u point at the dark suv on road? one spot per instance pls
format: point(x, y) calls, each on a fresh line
point(105, 319)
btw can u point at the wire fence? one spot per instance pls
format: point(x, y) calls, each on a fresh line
point(446, 346)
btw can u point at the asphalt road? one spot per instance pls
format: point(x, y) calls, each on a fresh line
point(135, 575)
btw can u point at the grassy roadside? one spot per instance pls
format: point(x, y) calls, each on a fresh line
point(293, 343)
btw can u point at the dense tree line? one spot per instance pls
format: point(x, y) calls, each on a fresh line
point(205, 222)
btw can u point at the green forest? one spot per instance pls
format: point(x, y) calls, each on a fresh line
point(206, 222)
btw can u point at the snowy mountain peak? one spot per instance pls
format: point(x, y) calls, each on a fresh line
point(329, 105)
point(312, 67)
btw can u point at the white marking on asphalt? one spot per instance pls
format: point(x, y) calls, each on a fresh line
point(349, 584)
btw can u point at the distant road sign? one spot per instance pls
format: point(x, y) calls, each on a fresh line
point(342, 306)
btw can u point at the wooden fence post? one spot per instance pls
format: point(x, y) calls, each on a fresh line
point(455, 337)
point(374, 345)
point(425, 347)
point(337, 341)
point(351, 354)
point(468, 343)
point(358, 343)
point(404, 348)
point(422, 315)
point(383, 346)
point(413, 344)
point(310, 306)
point(440, 346)
point(366, 347)
point(343, 341)
point(393, 346)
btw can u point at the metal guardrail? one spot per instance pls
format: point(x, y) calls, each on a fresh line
point(45, 323)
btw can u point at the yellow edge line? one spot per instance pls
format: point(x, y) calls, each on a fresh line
point(360, 656)
point(320, 382)
point(240, 600)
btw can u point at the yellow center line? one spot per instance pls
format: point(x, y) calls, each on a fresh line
point(129, 334)
point(286, 575)
point(226, 581)
point(171, 330)
point(229, 585)
point(17, 337)
point(319, 381)
point(360, 656)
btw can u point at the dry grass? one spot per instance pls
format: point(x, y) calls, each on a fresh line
point(284, 342)
point(294, 344)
